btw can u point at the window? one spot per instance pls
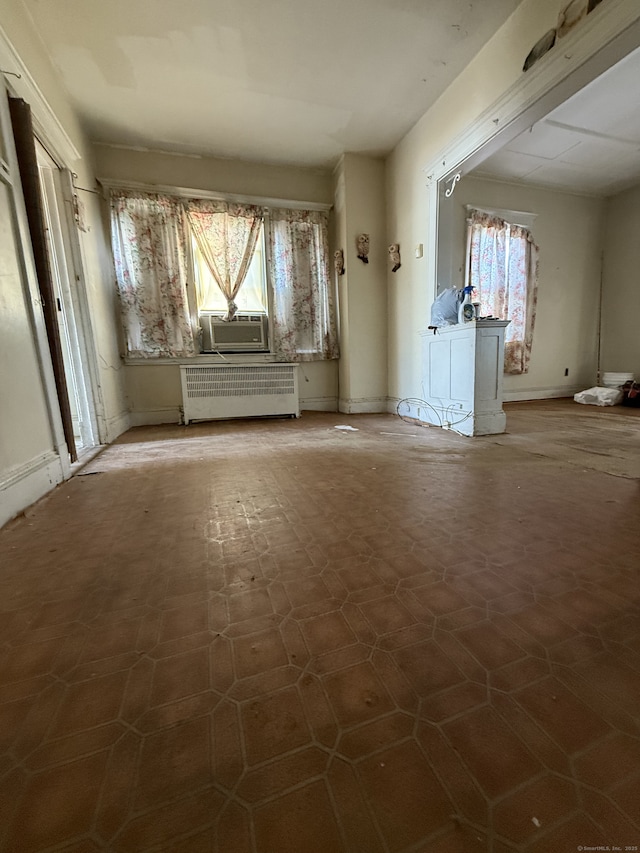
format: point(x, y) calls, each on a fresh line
point(161, 243)
point(304, 325)
point(252, 296)
point(150, 255)
point(502, 266)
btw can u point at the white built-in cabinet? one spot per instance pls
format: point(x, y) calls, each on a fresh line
point(462, 377)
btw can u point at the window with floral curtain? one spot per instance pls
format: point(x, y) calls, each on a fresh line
point(304, 326)
point(226, 235)
point(502, 266)
point(149, 248)
point(252, 298)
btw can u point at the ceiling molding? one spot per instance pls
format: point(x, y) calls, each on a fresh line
point(46, 124)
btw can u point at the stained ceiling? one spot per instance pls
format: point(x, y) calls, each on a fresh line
point(283, 81)
point(589, 144)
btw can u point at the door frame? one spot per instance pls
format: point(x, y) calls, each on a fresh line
point(63, 240)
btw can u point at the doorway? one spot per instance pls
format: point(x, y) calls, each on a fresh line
point(58, 240)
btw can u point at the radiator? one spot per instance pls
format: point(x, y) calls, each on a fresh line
point(211, 392)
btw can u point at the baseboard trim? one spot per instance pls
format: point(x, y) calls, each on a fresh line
point(25, 484)
point(541, 394)
point(173, 415)
point(319, 404)
point(156, 417)
point(392, 405)
point(362, 405)
point(116, 425)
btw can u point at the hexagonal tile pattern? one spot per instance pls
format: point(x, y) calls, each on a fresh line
point(272, 636)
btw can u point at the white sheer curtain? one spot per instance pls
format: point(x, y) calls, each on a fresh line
point(226, 235)
point(502, 266)
point(304, 326)
point(149, 249)
point(252, 296)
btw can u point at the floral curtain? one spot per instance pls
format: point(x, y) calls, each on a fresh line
point(226, 235)
point(503, 268)
point(304, 326)
point(149, 250)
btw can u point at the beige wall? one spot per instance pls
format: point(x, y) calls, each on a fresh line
point(360, 208)
point(154, 393)
point(620, 347)
point(214, 174)
point(568, 231)
point(25, 428)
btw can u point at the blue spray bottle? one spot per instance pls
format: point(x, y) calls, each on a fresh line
point(466, 309)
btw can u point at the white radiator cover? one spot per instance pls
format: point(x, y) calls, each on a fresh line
point(220, 391)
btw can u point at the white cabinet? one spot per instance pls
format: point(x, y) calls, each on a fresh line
point(462, 374)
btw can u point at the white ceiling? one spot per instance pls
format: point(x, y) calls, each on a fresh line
point(289, 81)
point(589, 144)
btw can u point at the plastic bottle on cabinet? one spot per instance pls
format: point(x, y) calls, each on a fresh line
point(466, 309)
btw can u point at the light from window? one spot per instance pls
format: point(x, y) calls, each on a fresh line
point(252, 296)
point(503, 268)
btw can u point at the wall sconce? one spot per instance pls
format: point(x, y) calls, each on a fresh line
point(394, 256)
point(362, 243)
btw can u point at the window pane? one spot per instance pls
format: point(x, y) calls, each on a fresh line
point(252, 296)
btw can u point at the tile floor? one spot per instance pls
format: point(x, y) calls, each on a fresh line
point(278, 637)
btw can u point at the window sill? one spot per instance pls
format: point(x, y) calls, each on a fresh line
point(208, 358)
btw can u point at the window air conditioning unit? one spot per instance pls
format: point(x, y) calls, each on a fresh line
point(245, 333)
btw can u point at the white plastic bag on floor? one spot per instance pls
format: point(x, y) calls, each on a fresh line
point(599, 396)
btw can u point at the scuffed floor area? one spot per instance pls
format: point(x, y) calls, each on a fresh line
point(279, 637)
